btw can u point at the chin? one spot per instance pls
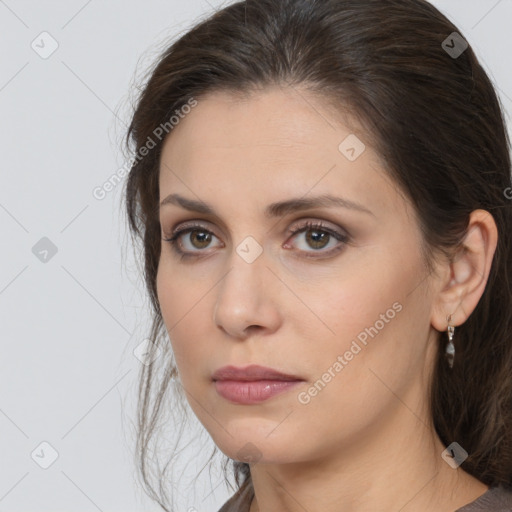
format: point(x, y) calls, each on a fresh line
point(257, 447)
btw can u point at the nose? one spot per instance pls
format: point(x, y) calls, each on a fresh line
point(247, 299)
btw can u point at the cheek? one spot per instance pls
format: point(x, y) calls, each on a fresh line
point(185, 304)
point(345, 392)
point(351, 297)
point(361, 311)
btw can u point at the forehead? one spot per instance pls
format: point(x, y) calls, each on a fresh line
point(271, 115)
point(266, 146)
point(273, 125)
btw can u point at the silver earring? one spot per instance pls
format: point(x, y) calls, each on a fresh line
point(450, 347)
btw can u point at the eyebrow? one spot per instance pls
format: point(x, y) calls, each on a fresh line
point(277, 209)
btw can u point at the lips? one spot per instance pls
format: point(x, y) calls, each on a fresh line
point(251, 373)
point(252, 384)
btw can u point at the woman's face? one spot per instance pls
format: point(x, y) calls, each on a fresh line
point(345, 307)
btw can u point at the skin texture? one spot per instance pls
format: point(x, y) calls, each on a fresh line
point(366, 440)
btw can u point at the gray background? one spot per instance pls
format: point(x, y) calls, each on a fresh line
point(71, 321)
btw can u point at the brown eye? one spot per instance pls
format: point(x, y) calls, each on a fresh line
point(193, 240)
point(318, 237)
point(200, 239)
point(190, 240)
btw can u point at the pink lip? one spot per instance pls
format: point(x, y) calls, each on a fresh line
point(251, 372)
point(251, 384)
point(252, 392)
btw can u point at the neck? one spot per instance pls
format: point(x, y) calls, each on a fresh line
point(395, 466)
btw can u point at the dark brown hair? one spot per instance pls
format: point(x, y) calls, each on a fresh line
point(436, 122)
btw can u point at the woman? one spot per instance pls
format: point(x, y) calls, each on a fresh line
point(322, 192)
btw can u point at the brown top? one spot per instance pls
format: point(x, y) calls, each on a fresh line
point(495, 499)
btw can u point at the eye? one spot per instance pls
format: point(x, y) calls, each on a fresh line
point(318, 237)
point(199, 238)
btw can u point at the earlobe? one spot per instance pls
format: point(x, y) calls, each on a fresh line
point(468, 272)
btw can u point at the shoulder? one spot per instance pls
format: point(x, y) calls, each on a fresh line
point(241, 500)
point(495, 499)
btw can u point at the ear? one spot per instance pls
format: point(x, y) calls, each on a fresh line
point(464, 277)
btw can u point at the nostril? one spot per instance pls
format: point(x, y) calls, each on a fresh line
point(254, 327)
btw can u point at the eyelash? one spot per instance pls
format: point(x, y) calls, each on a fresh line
point(313, 226)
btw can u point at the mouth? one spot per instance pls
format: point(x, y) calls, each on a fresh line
point(252, 384)
point(252, 372)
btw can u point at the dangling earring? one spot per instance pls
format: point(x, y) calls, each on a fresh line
point(450, 347)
